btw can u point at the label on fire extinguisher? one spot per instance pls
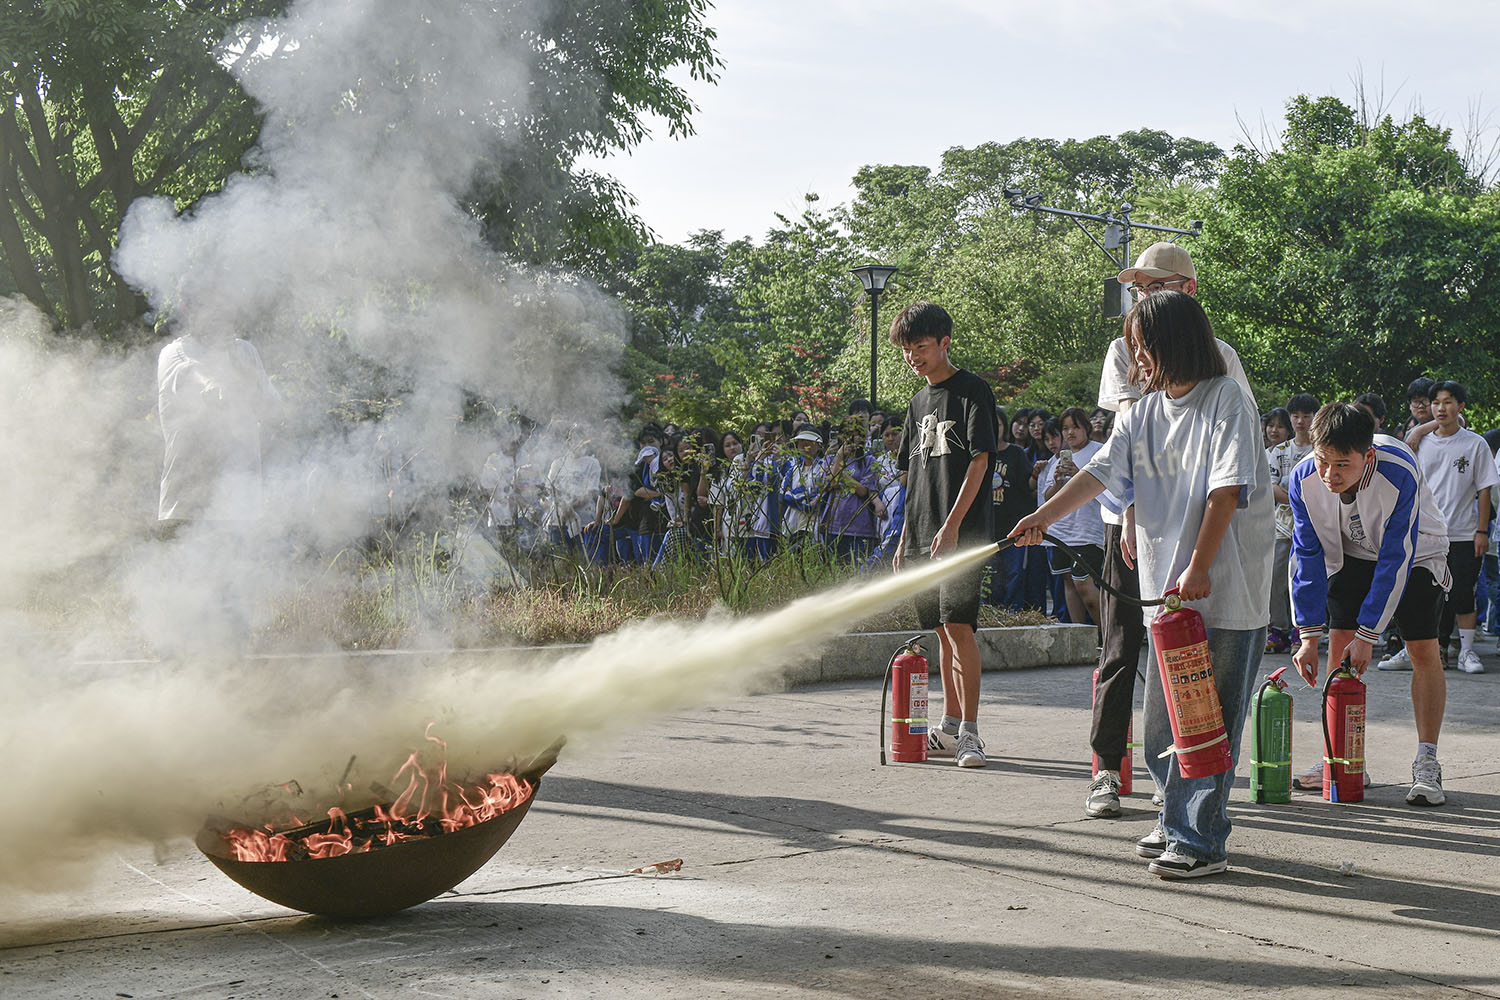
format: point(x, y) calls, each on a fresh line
point(916, 710)
point(1195, 699)
point(1354, 738)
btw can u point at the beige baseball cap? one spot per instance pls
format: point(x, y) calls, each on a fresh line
point(1159, 260)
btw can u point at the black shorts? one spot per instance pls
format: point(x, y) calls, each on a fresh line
point(1090, 555)
point(1464, 565)
point(1417, 615)
point(955, 601)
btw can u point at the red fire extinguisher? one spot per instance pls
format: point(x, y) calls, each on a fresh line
point(1124, 764)
point(1343, 736)
point(906, 682)
point(1199, 738)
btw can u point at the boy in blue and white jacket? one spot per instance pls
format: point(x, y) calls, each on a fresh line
point(1368, 546)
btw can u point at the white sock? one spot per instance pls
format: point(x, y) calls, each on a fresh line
point(969, 727)
point(950, 725)
point(1426, 748)
point(1465, 640)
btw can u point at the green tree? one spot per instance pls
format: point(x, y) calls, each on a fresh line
point(1354, 257)
point(110, 101)
point(107, 101)
point(1023, 288)
point(602, 71)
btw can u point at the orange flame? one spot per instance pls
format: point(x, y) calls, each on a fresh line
point(442, 806)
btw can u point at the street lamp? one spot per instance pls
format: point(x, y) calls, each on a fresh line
point(873, 277)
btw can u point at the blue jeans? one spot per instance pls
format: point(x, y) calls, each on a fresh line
point(1485, 594)
point(1194, 817)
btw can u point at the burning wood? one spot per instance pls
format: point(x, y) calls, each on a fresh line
point(380, 826)
point(430, 805)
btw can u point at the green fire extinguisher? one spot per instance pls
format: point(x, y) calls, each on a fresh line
point(1271, 741)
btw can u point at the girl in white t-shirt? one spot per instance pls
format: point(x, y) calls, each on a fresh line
point(1189, 455)
point(1083, 530)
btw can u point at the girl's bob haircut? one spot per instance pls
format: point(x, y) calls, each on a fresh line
point(1178, 337)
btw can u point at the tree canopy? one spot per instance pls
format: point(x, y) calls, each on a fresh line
point(108, 102)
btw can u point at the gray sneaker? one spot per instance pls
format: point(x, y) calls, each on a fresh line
point(1104, 796)
point(970, 752)
point(1426, 782)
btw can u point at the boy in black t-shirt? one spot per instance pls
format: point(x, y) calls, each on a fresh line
point(948, 450)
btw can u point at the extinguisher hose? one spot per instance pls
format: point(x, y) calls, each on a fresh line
point(1328, 758)
point(1078, 561)
point(1261, 741)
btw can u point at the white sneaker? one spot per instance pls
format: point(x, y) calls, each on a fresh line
point(1172, 865)
point(941, 744)
point(1426, 782)
point(970, 752)
point(1468, 662)
point(1400, 660)
point(1104, 796)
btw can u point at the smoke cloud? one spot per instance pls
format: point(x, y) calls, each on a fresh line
point(344, 252)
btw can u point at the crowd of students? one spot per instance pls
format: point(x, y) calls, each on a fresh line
point(692, 491)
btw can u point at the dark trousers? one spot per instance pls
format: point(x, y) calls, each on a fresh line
point(1124, 632)
point(1037, 578)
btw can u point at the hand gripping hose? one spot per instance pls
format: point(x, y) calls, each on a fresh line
point(1006, 543)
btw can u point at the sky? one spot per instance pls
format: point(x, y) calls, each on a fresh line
point(812, 90)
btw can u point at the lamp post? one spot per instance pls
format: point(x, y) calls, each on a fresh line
point(873, 277)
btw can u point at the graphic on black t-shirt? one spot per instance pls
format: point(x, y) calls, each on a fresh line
point(946, 426)
point(1010, 489)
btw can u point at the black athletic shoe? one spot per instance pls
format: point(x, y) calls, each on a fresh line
point(1152, 845)
point(1173, 865)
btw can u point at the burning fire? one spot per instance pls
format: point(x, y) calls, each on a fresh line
point(429, 806)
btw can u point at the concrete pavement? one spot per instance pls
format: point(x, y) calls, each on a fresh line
point(809, 870)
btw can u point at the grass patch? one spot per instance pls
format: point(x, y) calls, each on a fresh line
point(445, 587)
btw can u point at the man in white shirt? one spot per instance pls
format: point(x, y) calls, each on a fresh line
point(1459, 469)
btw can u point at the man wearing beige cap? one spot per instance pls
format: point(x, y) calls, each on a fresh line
point(1160, 266)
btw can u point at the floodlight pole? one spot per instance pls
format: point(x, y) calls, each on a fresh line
point(1120, 218)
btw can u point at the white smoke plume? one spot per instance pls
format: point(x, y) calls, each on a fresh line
point(148, 754)
point(345, 254)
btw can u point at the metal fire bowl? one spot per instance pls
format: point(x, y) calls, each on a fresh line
point(376, 882)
